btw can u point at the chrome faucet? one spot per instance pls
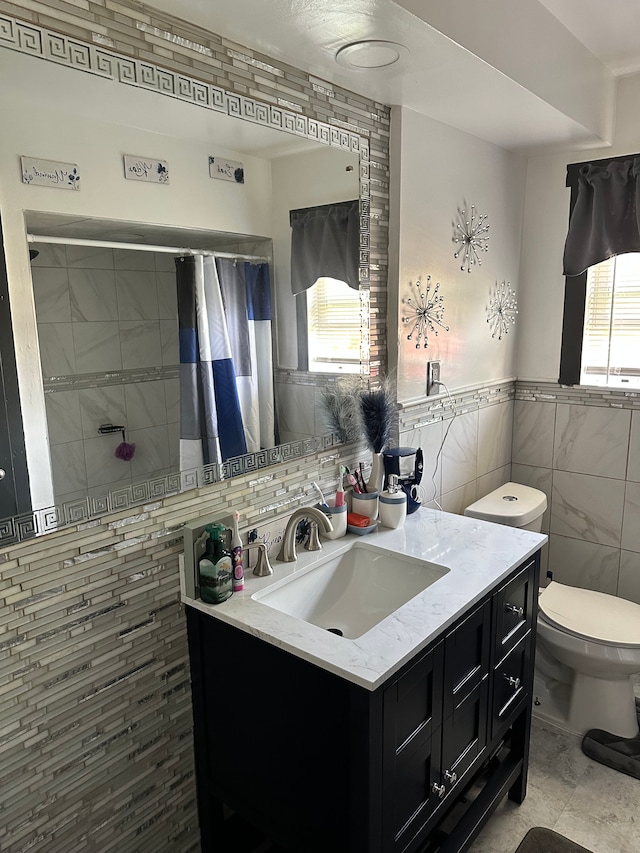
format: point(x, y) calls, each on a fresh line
point(288, 550)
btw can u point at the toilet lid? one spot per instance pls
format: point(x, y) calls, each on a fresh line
point(512, 504)
point(593, 615)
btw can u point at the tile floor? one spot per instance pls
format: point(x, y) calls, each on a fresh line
point(571, 794)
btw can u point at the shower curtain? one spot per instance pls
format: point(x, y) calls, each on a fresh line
point(226, 368)
point(246, 290)
point(211, 428)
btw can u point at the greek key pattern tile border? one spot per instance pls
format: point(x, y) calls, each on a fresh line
point(55, 47)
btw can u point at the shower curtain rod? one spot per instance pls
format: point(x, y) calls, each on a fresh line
point(141, 247)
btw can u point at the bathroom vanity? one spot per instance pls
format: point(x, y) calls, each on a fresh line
point(403, 737)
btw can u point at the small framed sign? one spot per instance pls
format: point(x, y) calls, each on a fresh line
point(50, 173)
point(148, 169)
point(226, 170)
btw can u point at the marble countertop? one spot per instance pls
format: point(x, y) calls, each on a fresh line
point(477, 553)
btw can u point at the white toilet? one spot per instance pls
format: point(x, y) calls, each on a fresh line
point(588, 642)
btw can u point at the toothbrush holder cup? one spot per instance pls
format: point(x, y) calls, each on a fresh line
point(365, 504)
point(338, 517)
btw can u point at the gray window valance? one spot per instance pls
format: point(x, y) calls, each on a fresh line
point(605, 220)
point(325, 241)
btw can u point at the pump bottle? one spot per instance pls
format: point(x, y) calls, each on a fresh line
point(215, 568)
point(392, 504)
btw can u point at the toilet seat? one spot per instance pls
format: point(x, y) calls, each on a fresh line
point(590, 615)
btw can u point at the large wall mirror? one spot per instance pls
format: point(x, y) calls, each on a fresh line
point(93, 284)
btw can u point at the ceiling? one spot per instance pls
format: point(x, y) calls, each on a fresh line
point(611, 30)
point(519, 74)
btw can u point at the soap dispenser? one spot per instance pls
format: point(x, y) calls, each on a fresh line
point(215, 568)
point(392, 504)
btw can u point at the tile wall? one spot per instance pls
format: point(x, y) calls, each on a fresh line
point(108, 332)
point(465, 440)
point(96, 751)
point(582, 448)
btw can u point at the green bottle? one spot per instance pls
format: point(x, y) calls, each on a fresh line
point(215, 567)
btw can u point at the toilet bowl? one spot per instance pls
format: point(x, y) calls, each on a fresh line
point(588, 643)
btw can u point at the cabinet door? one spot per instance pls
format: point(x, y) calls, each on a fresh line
point(411, 751)
point(464, 734)
point(466, 657)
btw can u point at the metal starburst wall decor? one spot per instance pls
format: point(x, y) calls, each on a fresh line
point(502, 309)
point(472, 233)
point(428, 311)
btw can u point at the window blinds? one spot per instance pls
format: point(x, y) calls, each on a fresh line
point(333, 311)
point(611, 344)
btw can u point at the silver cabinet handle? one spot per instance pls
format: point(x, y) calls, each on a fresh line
point(514, 682)
point(450, 777)
point(3, 473)
point(438, 789)
point(512, 608)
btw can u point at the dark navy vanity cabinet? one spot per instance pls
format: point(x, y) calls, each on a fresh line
point(320, 764)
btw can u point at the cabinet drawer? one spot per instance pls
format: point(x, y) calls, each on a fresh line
point(515, 608)
point(466, 657)
point(510, 683)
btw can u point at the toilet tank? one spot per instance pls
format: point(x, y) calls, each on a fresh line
point(511, 504)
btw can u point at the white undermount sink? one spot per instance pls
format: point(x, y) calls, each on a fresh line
point(352, 592)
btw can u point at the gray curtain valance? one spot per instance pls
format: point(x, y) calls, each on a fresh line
point(605, 220)
point(325, 241)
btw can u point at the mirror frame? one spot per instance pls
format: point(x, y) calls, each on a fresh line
point(148, 76)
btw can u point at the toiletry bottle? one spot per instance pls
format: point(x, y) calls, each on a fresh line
point(392, 504)
point(215, 568)
point(236, 555)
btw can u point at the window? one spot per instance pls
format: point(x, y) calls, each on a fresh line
point(333, 327)
point(611, 340)
point(601, 320)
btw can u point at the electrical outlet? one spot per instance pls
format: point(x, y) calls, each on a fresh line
point(433, 377)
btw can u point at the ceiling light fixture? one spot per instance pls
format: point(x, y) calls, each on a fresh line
point(371, 53)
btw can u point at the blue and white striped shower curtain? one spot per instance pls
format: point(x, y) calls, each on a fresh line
point(246, 291)
point(226, 365)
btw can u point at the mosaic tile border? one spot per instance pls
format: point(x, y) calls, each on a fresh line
point(80, 381)
point(81, 510)
point(56, 47)
point(463, 400)
point(577, 395)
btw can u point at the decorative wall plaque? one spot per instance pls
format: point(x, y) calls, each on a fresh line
point(226, 170)
point(50, 173)
point(148, 169)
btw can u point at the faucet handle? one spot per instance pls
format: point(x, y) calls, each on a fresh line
point(262, 568)
point(313, 542)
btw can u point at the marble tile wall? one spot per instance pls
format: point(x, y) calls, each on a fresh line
point(583, 450)
point(300, 404)
point(107, 325)
point(466, 443)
